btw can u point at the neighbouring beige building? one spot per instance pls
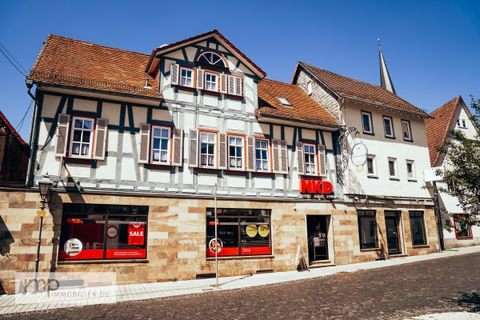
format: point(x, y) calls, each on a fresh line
point(136, 146)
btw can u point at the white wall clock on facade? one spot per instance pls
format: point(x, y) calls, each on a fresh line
point(359, 154)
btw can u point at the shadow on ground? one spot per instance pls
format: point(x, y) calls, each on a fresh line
point(470, 300)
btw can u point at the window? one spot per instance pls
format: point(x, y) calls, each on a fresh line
point(208, 142)
point(235, 152)
point(392, 167)
point(310, 154)
point(103, 232)
point(406, 130)
point(371, 168)
point(417, 227)
point(160, 145)
point(309, 87)
point(212, 59)
point(82, 137)
point(284, 101)
point(186, 77)
point(367, 228)
point(367, 122)
point(243, 232)
point(411, 170)
point(211, 81)
point(235, 85)
point(261, 155)
point(463, 228)
point(464, 124)
point(388, 127)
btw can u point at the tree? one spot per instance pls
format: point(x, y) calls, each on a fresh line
point(462, 169)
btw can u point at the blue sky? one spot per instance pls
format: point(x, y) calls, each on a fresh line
point(432, 48)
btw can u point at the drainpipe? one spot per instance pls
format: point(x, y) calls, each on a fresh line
point(29, 84)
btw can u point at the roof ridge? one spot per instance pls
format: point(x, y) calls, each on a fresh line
point(278, 81)
point(456, 99)
point(50, 36)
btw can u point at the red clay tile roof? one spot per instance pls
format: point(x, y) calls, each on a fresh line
point(361, 91)
point(438, 127)
point(4, 122)
point(73, 63)
point(205, 35)
point(303, 107)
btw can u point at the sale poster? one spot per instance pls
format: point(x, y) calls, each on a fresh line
point(136, 233)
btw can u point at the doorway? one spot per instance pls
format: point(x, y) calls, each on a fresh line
point(392, 222)
point(317, 231)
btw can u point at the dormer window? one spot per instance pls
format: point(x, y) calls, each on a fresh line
point(212, 59)
point(284, 101)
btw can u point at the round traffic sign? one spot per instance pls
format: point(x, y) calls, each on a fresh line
point(215, 245)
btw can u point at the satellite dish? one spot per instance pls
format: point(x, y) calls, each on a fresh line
point(359, 154)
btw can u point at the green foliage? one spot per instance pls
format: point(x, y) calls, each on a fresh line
point(462, 172)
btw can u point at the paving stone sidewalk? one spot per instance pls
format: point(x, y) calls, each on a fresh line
point(25, 303)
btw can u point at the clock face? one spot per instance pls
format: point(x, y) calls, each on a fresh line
point(359, 154)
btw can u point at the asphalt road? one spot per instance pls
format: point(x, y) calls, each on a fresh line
point(440, 285)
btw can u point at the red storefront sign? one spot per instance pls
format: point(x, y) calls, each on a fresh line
point(316, 186)
point(136, 233)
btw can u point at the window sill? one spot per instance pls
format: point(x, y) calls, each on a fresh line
point(210, 92)
point(242, 257)
point(110, 261)
point(372, 177)
point(420, 246)
point(391, 138)
point(234, 97)
point(407, 140)
point(369, 133)
point(79, 160)
point(263, 174)
point(192, 89)
point(158, 166)
point(236, 172)
point(369, 249)
point(412, 180)
point(464, 238)
point(394, 179)
point(207, 170)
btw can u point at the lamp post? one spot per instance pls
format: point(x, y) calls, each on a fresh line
point(44, 187)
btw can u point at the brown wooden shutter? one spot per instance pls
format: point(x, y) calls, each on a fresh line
point(276, 156)
point(300, 158)
point(200, 78)
point(223, 83)
point(62, 135)
point(251, 154)
point(174, 73)
point(193, 154)
point(283, 157)
point(238, 86)
point(322, 163)
point(144, 143)
point(222, 152)
point(101, 133)
point(177, 147)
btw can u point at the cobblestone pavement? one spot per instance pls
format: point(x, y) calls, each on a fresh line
point(399, 292)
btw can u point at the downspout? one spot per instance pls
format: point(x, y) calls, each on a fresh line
point(29, 181)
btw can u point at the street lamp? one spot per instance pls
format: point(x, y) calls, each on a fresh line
point(44, 187)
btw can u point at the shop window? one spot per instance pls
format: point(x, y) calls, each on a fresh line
point(82, 137)
point(417, 228)
point(367, 122)
point(463, 228)
point(310, 155)
point(235, 152)
point(261, 155)
point(160, 145)
point(208, 142)
point(406, 130)
point(367, 228)
point(103, 232)
point(243, 232)
point(388, 127)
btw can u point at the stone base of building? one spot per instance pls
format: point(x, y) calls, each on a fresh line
point(176, 239)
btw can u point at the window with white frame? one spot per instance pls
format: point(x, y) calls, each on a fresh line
point(211, 81)
point(392, 167)
point(212, 59)
point(367, 122)
point(371, 167)
point(388, 127)
point(82, 137)
point(310, 155)
point(208, 142)
point(235, 152)
point(160, 152)
point(411, 169)
point(406, 130)
point(186, 77)
point(261, 155)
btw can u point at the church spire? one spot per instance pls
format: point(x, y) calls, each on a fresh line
point(385, 80)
